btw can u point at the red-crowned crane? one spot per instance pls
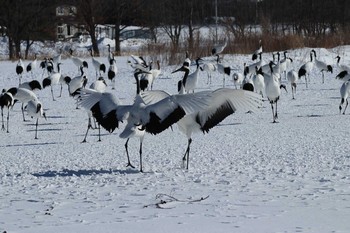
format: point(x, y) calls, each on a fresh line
point(6, 101)
point(222, 103)
point(99, 66)
point(322, 66)
point(35, 110)
point(153, 118)
point(306, 69)
point(22, 95)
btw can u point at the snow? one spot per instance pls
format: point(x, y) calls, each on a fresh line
point(292, 176)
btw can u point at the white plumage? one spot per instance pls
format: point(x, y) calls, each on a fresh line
point(189, 81)
point(306, 69)
point(292, 77)
point(6, 101)
point(322, 66)
point(77, 61)
point(223, 69)
point(285, 64)
point(35, 110)
point(219, 48)
point(32, 65)
point(31, 85)
point(209, 68)
point(139, 63)
point(19, 70)
point(259, 83)
point(54, 78)
point(251, 69)
point(342, 67)
point(237, 79)
point(344, 93)
point(112, 71)
point(257, 52)
point(99, 86)
point(23, 95)
point(77, 83)
point(273, 90)
point(141, 118)
point(99, 66)
point(222, 103)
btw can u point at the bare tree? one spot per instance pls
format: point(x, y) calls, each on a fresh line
point(23, 20)
point(91, 13)
point(124, 13)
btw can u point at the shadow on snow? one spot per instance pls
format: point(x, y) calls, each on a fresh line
point(68, 172)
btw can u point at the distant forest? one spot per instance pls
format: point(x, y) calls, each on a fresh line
point(313, 20)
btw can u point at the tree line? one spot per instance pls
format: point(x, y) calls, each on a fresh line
point(32, 20)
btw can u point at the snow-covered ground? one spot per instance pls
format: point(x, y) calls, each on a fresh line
point(253, 175)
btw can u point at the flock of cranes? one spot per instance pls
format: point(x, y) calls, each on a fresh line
point(154, 111)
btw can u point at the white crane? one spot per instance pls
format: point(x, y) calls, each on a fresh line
point(76, 83)
point(292, 77)
point(273, 90)
point(110, 55)
point(55, 78)
point(222, 103)
point(44, 65)
point(153, 118)
point(342, 67)
point(209, 68)
point(322, 66)
point(189, 81)
point(219, 48)
point(6, 101)
point(22, 95)
point(112, 71)
point(139, 63)
point(148, 79)
point(35, 110)
point(344, 93)
point(251, 69)
point(57, 59)
point(31, 85)
point(155, 72)
point(77, 61)
point(223, 69)
point(259, 83)
point(187, 62)
point(99, 66)
point(137, 72)
point(19, 69)
point(237, 79)
point(247, 83)
point(99, 85)
point(257, 52)
point(32, 65)
point(285, 63)
point(306, 69)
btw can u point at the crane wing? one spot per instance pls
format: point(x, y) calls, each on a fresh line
point(169, 110)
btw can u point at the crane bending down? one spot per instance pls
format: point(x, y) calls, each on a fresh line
point(35, 110)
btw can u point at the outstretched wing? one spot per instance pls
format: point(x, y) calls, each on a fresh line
point(105, 107)
point(224, 102)
point(169, 110)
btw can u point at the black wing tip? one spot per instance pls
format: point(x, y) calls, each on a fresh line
point(156, 125)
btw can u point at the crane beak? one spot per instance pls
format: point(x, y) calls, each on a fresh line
point(180, 69)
